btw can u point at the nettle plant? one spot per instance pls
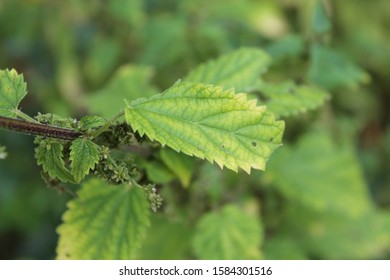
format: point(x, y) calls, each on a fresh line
point(205, 115)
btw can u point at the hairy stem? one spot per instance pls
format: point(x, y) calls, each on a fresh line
point(34, 128)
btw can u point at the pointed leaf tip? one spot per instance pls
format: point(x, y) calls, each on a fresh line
point(210, 123)
point(84, 154)
point(12, 91)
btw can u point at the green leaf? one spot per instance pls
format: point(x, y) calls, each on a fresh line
point(229, 234)
point(212, 183)
point(129, 81)
point(158, 173)
point(89, 122)
point(49, 154)
point(166, 240)
point(12, 91)
point(240, 70)
point(208, 122)
point(286, 98)
point(321, 23)
point(331, 69)
point(320, 176)
point(84, 154)
point(104, 222)
point(288, 46)
point(181, 165)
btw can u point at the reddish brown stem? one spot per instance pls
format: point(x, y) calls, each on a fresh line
point(38, 129)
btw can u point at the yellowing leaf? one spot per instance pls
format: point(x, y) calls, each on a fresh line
point(12, 91)
point(208, 122)
point(104, 222)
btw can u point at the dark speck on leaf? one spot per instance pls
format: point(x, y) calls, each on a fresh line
point(254, 144)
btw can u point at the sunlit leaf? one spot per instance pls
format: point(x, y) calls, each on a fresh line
point(104, 222)
point(208, 122)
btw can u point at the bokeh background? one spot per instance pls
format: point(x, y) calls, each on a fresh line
point(325, 194)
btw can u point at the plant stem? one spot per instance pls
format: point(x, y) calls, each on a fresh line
point(104, 127)
point(35, 128)
point(25, 117)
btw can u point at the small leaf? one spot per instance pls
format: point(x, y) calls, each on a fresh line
point(208, 122)
point(286, 99)
point(240, 70)
point(84, 154)
point(104, 222)
point(89, 122)
point(12, 91)
point(229, 234)
point(321, 23)
point(49, 155)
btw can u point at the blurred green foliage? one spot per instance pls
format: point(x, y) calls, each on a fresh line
point(325, 194)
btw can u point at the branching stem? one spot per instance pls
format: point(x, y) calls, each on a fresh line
point(35, 128)
point(110, 122)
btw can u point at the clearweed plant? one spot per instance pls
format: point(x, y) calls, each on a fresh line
point(192, 131)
